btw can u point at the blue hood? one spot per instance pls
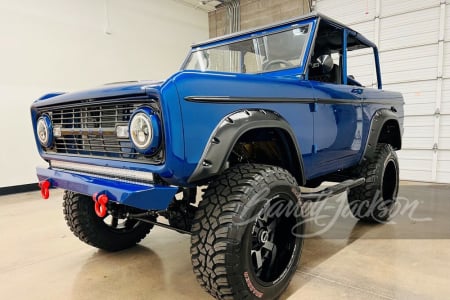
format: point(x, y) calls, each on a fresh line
point(109, 90)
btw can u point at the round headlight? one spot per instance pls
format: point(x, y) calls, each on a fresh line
point(144, 130)
point(44, 131)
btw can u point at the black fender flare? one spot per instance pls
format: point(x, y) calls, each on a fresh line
point(379, 119)
point(227, 133)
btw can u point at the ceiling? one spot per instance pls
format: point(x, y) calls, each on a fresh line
point(206, 5)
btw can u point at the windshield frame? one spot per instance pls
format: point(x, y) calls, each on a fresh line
point(297, 69)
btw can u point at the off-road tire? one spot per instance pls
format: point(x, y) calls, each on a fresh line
point(225, 243)
point(373, 201)
point(88, 227)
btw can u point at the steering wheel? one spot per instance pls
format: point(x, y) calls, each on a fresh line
point(279, 62)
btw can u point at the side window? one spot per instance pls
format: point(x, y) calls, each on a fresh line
point(326, 57)
point(361, 69)
point(326, 62)
point(326, 67)
point(336, 56)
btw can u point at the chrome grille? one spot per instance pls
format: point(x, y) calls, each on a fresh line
point(90, 130)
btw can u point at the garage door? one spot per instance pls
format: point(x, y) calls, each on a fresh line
point(413, 37)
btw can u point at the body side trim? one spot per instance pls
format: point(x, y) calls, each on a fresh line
point(227, 99)
point(234, 100)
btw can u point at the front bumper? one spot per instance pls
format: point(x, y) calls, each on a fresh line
point(139, 195)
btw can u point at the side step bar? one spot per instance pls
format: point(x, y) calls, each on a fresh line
point(333, 190)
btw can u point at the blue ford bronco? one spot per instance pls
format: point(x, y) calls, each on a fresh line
point(251, 117)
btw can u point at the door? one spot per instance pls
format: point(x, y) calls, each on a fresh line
point(338, 125)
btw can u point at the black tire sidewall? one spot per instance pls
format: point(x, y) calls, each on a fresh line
point(91, 229)
point(245, 267)
point(391, 157)
point(367, 201)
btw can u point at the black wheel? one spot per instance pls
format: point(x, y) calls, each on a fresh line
point(108, 233)
point(373, 201)
point(247, 233)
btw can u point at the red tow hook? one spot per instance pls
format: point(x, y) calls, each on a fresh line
point(45, 189)
point(100, 204)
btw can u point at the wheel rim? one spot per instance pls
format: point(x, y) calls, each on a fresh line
point(273, 244)
point(120, 225)
point(390, 180)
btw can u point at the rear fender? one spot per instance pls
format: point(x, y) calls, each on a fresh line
point(379, 120)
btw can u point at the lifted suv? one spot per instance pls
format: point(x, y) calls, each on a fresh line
point(253, 116)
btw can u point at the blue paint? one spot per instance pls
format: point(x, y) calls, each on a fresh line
point(344, 56)
point(330, 121)
point(136, 195)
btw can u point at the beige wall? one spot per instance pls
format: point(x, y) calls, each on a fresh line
point(256, 13)
point(61, 45)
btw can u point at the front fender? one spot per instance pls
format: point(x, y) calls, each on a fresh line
point(226, 134)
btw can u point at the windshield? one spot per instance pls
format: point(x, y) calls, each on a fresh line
point(273, 52)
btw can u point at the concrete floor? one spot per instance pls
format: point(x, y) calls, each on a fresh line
point(41, 259)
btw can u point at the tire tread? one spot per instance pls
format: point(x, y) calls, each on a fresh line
point(81, 219)
point(212, 257)
point(370, 169)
